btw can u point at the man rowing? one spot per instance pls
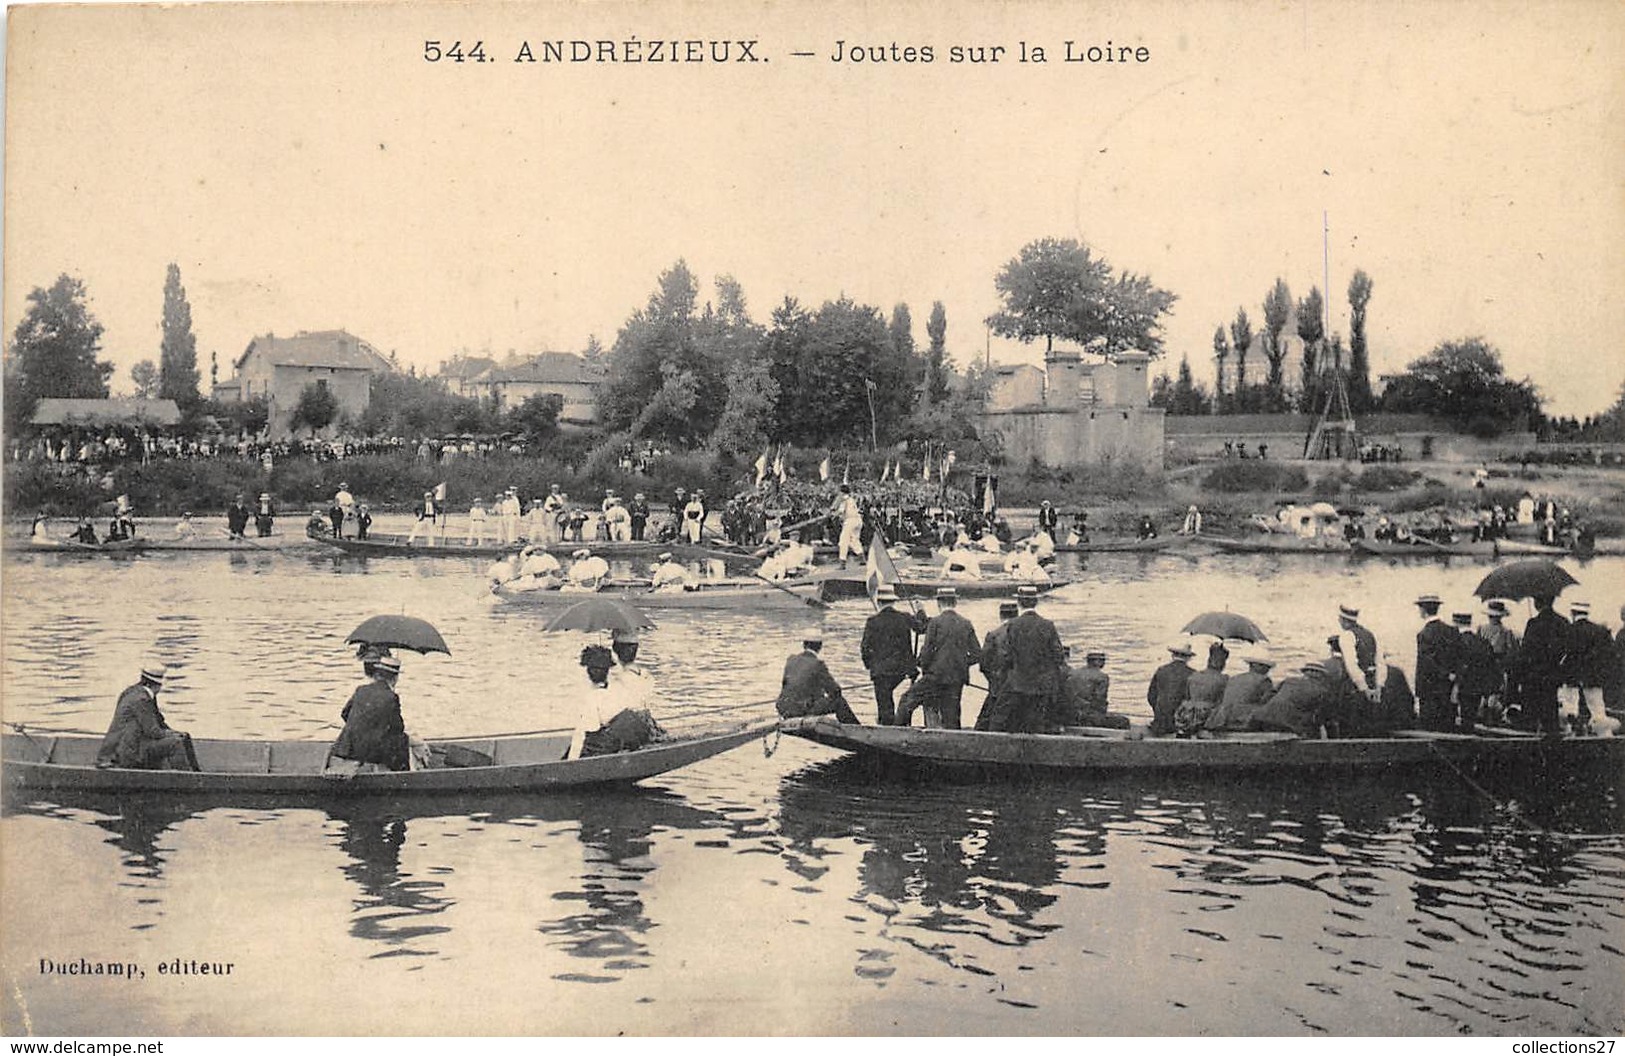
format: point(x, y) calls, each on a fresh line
point(587, 571)
point(669, 576)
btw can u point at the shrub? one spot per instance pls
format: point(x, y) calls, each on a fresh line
point(1385, 478)
point(1255, 475)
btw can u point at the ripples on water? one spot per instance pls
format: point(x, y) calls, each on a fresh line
point(799, 893)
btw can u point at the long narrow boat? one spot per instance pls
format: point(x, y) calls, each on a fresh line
point(1489, 548)
point(74, 546)
point(1265, 543)
point(1108, 751)
point(397, 546)
point(170, 544)
point(1123, 546)
point(735, 594)
point(846, 588)
point(295, 768)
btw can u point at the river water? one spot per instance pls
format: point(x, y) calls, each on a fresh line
point(797, 892)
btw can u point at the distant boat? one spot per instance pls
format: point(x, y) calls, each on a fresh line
point(1281, 544)
point(729, 594)
point(847, 588)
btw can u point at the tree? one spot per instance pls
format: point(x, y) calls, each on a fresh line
point(1185, 396)
point(1058, 288)
point(1277, 308)
point(537, 418)
point(1464, 382)
point(1312, 332)
point(145, 378)
point(1221, 353)
point(901, 329)
point(824, 363)
point(1241, 337)
point(751, 411)
point(595, 353)
point(177, 355)
point(1360, 398)
point(53, 351)
point(936, 368)
point(317, 407)
point(214, 370)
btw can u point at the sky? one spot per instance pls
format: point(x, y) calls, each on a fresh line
point(308, 169)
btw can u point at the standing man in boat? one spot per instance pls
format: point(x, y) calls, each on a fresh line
point(887, 650)
point(237, 516)
point(552, 510)
point(476, 523)
point(694, 517)
point(1437, 650)
point(639, 511)
point(345, 503)
point(992, 663)
point(374, 730)
point(809, 689)
point(1540, 666)
point(1478, 674)
point(1359, 649)
point(850, 513)
point(1589, 657)
point(426, 514)
point(264, 515)
point(138, 737)
point(1032, 659)
point(1048, 519)
point(950, 650)
point(1166, 691)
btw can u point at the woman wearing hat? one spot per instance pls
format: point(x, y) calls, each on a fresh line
point(374, 731)
point(139, 738)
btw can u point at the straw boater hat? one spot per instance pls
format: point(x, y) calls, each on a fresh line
point(1008, 608)
point(1348, 612)
point(1027, 597)
point(1580, 608)
point(947, 594)
point(1258, 655)
point(666, 556)
point(387, 663)
point(887, 593)
point(154, 671)
point(583, 552)
point(1497, 607)
point(1314, 667)
point(1429, 599)
point(1182, 649)
point(1095, 654)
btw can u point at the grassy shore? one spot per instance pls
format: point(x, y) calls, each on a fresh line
point(1116, 497)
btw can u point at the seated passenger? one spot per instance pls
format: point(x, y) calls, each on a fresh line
point(1203, 692)
point(668, 575)
point(1298, 706)
point(1244, 694)
point(962, 563)
point(611, 713)
point(38, 532)
point(138, 737)
point(588, 572)
point(809, 689)
point(184, 528)
point(1085, 693)
point(86, 533)
point(541, 568)
point(374, 731)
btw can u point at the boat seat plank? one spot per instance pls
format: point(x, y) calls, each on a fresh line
point(522, 751)
point(232, 757)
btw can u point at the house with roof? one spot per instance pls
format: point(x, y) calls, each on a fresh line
point(278, 369)
point(462, 372)
point(563, 373)
point(1078, 410)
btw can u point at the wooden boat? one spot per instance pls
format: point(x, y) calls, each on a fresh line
point(846, 588)
point(74, 546)
point(1099, 751)
point(397, 546)
point(725, 594)
point(170, 544)
point(1123, 546)
point(1489, 548)
point(1266, 543)
point(295, 768)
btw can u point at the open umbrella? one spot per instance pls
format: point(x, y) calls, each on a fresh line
point(1525, 579)
point(599, 614)
point(400, 632)
point(1226, 625)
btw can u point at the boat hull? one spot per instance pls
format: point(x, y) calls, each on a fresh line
point(846, 589)
point(746, 598)
point(1122, 546)
point(1496, 548)
point(397, 546)
point(970, 750)
point(294, 768)
point(1265, 544)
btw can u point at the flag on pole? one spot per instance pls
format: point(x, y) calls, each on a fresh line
point(846, 474)
point(926, 471)
point(440, 492)
point(823, 469)
point(885, 470)
point(879, 569)
point(761, 467)
point(778, 465)
point(988, 500)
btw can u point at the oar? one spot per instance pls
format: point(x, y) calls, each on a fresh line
point(817, 603)
point(243, 539)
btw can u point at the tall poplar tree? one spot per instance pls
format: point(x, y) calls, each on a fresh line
point(936, 369)
point(1360, 397)
point(177, 354)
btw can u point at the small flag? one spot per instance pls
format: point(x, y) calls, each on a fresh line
point(440, 491)
point(761, 467)
point(778, 466)
point(823, 469)
point(987, 496)
point(879, 569)
point(885, 470)
point(926, 471)
point(846, 474)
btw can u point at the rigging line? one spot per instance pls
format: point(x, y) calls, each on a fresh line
point(1506, 807)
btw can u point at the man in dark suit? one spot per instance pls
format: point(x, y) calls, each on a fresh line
point(138, 737)
point(1299, 705)
point(992, 663)
point(809, 688)
point(1438, 647)
point(1478, 674)
point(888, 652)
point(1168, 687)
point(237, 517)
point(1032, 661)
point(946, 657)
point(1541, 662)
point(1590, 656)
point(374, 730)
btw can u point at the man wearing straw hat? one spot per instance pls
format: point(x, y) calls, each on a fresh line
point(946, 656)
point(1245, 693)
point(1437, 645)
point(1540, 667)
point(1589, 658)
point(138, 737)
point(1032, 659)
point(992, 663)
point(887, 651)
point(1167, 689)
point(1298, 706)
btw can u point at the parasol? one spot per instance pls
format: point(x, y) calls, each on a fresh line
point(1525, 579)
point(400, 632)
point(599, 614)
point(1226, 625)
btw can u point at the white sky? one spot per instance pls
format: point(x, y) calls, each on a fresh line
point(307, 169)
